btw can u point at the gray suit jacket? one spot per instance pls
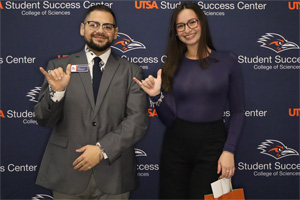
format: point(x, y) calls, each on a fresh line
point(118, 121)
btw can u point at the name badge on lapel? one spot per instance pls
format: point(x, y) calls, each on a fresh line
point(79, 68)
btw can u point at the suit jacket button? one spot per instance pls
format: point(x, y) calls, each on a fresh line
point(94, 124)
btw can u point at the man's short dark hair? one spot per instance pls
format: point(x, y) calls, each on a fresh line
point(100, 8)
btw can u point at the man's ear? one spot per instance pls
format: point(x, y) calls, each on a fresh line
point(82, 29)
point(116, 33)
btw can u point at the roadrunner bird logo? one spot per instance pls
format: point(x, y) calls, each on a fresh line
point(276, 149)
point(125, 43)
point(139, 152)
point(41, 196)
point(34, 94)
point(276, 42)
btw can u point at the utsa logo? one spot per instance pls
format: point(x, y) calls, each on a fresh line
point(1, 7)
point(294, 112)
point(2, 114)
point(139, 152)
point(152, 112)
point(276, 149)
point(145, 5)
point(124, 43)
point(294, 5)
point(62, 56)
point(33, 94)
point(276, 42)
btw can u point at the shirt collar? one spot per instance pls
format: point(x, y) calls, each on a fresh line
point(90, 55)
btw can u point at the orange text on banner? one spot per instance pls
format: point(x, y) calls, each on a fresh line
point(1, 114)
point(152, 112)
point(145, 5)
point(294, 5)
point(294, 112)
point(62, 56)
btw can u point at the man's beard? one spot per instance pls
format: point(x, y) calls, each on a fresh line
point(93, 46)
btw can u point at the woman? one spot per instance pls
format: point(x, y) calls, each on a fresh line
point(190, 94)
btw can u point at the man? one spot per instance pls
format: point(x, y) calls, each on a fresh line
point(90, 152)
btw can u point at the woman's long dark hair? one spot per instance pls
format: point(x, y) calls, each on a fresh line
point(176, 48)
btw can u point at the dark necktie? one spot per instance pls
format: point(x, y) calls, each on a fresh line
point(97, 73)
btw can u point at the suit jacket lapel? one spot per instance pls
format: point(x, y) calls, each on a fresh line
point(108, 73)
point(86, 77)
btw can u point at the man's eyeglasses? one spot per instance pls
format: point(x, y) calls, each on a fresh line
point(192, 23)
point(94, 26)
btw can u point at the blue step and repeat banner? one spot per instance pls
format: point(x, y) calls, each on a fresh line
point(264, 35)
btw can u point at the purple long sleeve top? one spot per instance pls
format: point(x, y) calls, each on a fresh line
point(201, 95)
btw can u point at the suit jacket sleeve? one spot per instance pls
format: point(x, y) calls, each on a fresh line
point(48, 112)
point(133, 126)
